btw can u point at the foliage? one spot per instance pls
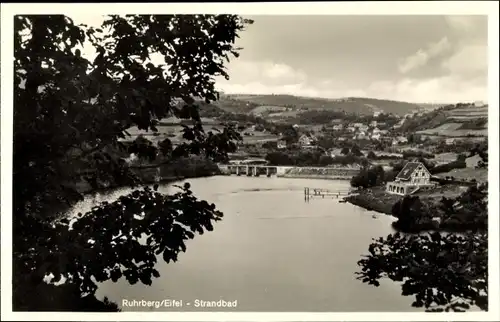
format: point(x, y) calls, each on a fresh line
point(290, 135)
point(371, 155)
point(310, 158)
point(442, 168)
point(475, 124)
point(442, 272)
point(407, 154)
point(413, 215)
point(481, 150)
point(69, 112)
point(345, 151)
point(326, 142)
point(368, 177)
point(356, 151)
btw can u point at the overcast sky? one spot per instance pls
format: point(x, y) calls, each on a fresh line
point(410, 58)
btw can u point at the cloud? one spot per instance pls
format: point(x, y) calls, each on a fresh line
point(423, 56)
point(445, 89)
point(268, 72)
point(468, 60)
point(468, 26)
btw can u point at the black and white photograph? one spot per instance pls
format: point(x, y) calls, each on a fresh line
point(234, 161)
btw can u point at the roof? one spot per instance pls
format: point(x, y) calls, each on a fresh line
point(408, 169)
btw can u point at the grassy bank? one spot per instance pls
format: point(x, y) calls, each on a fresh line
point(313, 176)
point(448, 208)
point(180, 169)
point(332, 173)
point(374, 199)
point(66, 297)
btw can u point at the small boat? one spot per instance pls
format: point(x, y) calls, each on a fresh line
point(342, 201)
point(374, 216)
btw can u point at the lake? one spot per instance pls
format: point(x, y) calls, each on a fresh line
point(271, 252)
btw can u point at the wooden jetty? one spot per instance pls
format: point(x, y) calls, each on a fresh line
point(310, 193)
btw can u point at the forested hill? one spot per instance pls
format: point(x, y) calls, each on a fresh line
point(262, 104)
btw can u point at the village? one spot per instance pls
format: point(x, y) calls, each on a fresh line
point(429, 163)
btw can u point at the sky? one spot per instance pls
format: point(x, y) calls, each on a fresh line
point(425, 59)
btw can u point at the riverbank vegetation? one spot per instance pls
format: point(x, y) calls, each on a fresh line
point(72, 114)
point(312, 158)
point(442, 271)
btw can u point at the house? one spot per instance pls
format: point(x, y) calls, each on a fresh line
point(342, 138)
point(376, 136)
point(351, 129)
point(376, 130)
point(281, 144)
point(376, 113)
point(373, 123)
point(383, 132)
point(358, 125)
point(304, 140)
point(363, 128)
point(307, 139)
point(399, 140)
point(334, 152)
point(450, 141)
point(402, 139)
point(361, 135)
point(295, 126)
point(414, 176)
point(337, 121)
point(338, 127)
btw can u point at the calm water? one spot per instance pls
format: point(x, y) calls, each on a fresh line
point(271, 252)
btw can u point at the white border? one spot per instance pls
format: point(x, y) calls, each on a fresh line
point(387, 8)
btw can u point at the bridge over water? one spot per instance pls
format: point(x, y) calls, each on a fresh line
point(251, 169)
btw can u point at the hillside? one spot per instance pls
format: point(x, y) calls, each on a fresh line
point(452, 121)
point(358, 105)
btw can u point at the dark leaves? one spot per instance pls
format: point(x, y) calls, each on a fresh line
point(444, 271)
point(69, 116)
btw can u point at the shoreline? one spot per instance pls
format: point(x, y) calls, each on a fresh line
point(374, 200)
point(164, 180)
point(312, 176)
point(372, 203)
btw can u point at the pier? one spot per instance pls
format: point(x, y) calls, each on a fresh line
point(310, 193)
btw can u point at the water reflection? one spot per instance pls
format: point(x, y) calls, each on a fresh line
point(271, 252)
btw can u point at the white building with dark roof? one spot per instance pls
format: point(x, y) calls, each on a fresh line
point(414, 176)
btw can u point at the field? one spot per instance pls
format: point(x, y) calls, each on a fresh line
point(481, 175)
point(267, 109)
point(452, 121)
point(475, 111)
point(282, 115)
point(259, 137)
point(453, 130)
point(448, 191)
point(171, 128)
point(472, 161)
point(358, 105)
point(445, 157)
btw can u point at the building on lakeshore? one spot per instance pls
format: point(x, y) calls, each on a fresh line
point(307, 140)
point(413, 177)
point(281, 144)
point(338, 127)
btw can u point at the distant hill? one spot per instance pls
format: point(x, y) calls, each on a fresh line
point(452, 120)
point(358, 105)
